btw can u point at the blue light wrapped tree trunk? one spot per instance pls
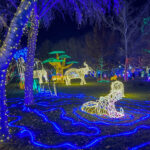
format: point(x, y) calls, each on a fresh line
point(32, 38)
point(6, 52)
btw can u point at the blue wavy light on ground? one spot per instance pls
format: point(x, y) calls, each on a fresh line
point(111, 123)
point(59, 130)
point(126, 117)
point(79, 123)
point(134, 121)
point(140, 146)
point(33, 139)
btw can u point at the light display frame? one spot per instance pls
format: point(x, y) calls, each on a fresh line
point(75, 73)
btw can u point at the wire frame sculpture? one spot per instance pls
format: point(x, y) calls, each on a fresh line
point(117, 86)
point(106, 105)
point(75, 73)
point(21, 68)
point(39, 71)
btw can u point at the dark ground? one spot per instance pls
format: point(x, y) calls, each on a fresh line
point(58, 120)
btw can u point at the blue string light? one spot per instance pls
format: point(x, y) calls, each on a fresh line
point(140, 146)
point(94, 127)
point(107, 123)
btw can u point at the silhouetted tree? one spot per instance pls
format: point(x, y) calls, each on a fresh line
point(127, 24)
point(44, 48)
point(100, 43)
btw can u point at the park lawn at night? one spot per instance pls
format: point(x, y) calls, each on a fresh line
point(74, 74)
point(138, 90)
point(54, 120)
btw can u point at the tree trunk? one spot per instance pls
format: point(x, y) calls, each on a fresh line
point(126, 70)
point(6, 53)
point(101, 69)
point(4, 134)
point(126, 61)
point(32, 38)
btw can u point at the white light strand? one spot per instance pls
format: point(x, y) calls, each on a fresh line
point(55, 91)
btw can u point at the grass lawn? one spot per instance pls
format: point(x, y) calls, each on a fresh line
point(138, 90)
point(58, 122)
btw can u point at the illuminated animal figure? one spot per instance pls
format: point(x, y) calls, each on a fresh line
point(21, 68)
point(106, 105)
point(36, 73)
point(39, 71)
point(40, 74)
point(75, 73)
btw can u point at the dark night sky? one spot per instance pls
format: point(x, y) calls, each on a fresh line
point(60, 29)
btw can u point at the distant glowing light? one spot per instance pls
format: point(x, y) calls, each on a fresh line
point(113, 78)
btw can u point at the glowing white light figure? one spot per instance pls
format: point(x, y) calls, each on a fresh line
point(55, 91)
point(75, 73)
point(40, 72)
point(21, 68)
point(148, 73)
point(106, 105)
point(117, 86)
point(147, 70)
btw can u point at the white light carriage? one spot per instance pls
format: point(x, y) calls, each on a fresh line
point(106, 105)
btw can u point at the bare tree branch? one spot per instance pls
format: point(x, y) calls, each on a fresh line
point(3, 22)
point(13, 3)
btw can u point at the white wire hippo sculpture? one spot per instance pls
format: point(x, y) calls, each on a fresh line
point(75, 73)
point(106, 105)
